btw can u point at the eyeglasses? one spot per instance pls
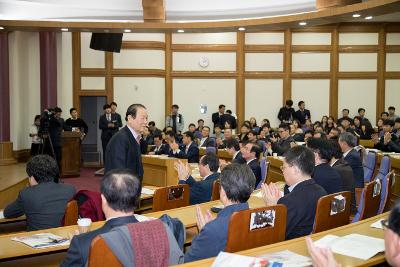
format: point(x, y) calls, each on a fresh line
point(385, 224)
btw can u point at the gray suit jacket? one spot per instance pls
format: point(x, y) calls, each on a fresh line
point(43, 205)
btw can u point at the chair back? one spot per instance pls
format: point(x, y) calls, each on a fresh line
point(384, 168)
point(332, 211)
point(370, 201)
point(215, 190)
point(386, 191)
point(256, 227)
point(100, 255)
point(369, 165)
point(171, 197)
point(211, 150)
point(264, 164)
point(71, 213)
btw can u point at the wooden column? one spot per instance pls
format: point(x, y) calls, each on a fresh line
point(6, 147)
point(287, 66)
point(76, 67)
point(380, 90)
point(168, 70)
point(240, 94)
point(48, 69)
point(109, 58)
point(333, 90)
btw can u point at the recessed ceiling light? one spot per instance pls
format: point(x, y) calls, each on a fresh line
point(241, 28)
point(302, 23)
point(1, 28)
point(127, 30)
point(369, 17)
point(64, 29)
point(356, 15)
point(180, 30)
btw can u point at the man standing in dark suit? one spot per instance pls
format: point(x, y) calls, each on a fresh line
point(200, 191)
point(286, 114)
point(324, 174)
point(108, 124)
point(216, 117)
point(302, 114)
point(190, 151)
point(118, 122)
point(44, 201)
point(251, 153)
point(123, 150)
point(303, 192)
point(347, 142)
point(120, 196)
point(228, 121)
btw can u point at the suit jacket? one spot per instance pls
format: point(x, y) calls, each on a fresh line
point(56, 126)
point(163, 149)
point(118, 123)
point(212, 238)
point(180, 122)
point(302, 115)
point(238, 158)
point(78, 252)
point(216, 119)
point(286, 114)
point(282, 145)
point(210, 141)
point(124, 152)
point(392, 146)
point(43, 204)
point(255, 167)
point(346, 174)
point(328, 178)
point(200, 191)
point(354, 160)
point(228, 118)
point(192, 154)
point(103, 125)
point(301, 206)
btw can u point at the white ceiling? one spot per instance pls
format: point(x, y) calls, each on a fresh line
point(131, 10)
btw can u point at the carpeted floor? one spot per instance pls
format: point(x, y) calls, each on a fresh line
point(87, 181)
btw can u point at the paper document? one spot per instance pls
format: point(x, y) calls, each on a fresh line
point(142, 218)
point(287, 258)
point(225, 259)
point(43, 240)
point(353, 245)
point(377, 224)
point(147, 191)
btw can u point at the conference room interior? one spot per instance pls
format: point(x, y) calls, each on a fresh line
point(332, 57)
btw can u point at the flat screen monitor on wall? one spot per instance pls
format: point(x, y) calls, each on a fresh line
point(110, 42)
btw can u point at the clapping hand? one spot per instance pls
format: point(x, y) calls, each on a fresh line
point(271, 194)
point(202, 219)
point(182, 169)
point(321, 257)
point(387, 138)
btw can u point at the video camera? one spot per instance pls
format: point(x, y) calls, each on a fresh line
point(45, 118)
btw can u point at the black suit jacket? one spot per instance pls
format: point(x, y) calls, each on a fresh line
point(43, 204)
point(78, 252)
point(164, 149)
point(103, 125)
point(228, 118)
point(238, 158)
point(354, 160)
point(328, 178)
point(192, 154)
point(210, 141)
point(346, 173)
point(282, 146)
point(302, 116)
point(56, 126)
point(124, 152)
point(301, 206)
point(200, 191)
point(255, 167)
point(216, 119)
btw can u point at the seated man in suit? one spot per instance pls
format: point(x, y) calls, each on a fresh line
point(237, 183)
point(44, 201)
point(159, 147)
point(206, 140)
point(233, 148)
point(251, 153)
point(324, 174)
point(303, 192)
point(284, 143)
point(120, 196)
point(347, 142)
point(221, 143)
point(200, 191)
point(189, 151)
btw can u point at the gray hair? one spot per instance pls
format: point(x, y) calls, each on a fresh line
point(348, 138)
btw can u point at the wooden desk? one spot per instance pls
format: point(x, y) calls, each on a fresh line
point(10, 250)
point(366, 143)
point(159, 170)
point(221, 153)
point(299, 245)
point(275, 173)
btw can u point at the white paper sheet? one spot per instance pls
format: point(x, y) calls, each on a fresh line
point(147, 191)
point(353, 245)
point(377, 224)
point(225, 259)
point(142, 218)
point(288, 259)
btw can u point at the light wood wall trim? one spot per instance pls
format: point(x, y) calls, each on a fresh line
point(357, 75)
point(315, 29)
point(168, 69)
point(264, 75)
point(361, 27)
point(333, 85)
point(358, 48)
point(76, 68)
point(310, 75)
point(311, 48)
point(203, 48)
point(287, 67)
point(263, 48)
point(392, 49)
point(137, 72)
point(392, 75)
point(393, 27)
point(204, 74)
point(93, 93)
point(92, 72)
point(380, 90)
point(143, 45)
point(240, 68)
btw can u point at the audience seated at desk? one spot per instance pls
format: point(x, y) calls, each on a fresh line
point(44, 201)
point(189, 151)
point(206, 140)
point(301, 193)
point(347, 142)
point(159, 148)
point(233, 149)
point(237, 183)
point(120, 196)
point(284, 143)
point(324, 174)
point(200, 191)
point(221, 142)
point(389, 142)
point(251, 153)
